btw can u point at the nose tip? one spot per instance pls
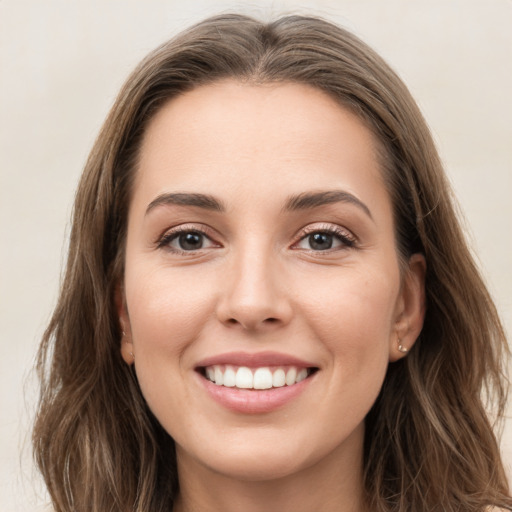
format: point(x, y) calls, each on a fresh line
point(254, 299)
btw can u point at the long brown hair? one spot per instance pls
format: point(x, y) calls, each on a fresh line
point(429, 442)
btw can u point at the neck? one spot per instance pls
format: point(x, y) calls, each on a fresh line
point(333, 484)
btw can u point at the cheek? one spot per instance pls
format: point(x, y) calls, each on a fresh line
point(352, 323)
point(355, 322)
point(167, 310)
point(354, 309)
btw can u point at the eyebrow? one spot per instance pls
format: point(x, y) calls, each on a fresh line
point(308, 200)
point(304, 201)
point(204, 201)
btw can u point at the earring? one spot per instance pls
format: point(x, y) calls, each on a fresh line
point(131, 353)
point(402, 348)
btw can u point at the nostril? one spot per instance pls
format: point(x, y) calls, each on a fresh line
point(234, 321)
point(251, 324)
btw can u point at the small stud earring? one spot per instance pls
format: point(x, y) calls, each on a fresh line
point(131, 353)
point(402, 348)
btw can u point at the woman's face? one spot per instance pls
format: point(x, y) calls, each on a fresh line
point(261, 254)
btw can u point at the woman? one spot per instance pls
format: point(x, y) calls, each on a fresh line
point(269, 303)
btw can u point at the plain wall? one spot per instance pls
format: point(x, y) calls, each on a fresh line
point(61, 65)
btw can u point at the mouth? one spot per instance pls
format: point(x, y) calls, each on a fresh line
point(255, 378)
point(256, 383)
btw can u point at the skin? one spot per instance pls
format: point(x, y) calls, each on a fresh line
point(257, 285)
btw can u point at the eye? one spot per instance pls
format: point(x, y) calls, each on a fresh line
point(320, 241)
point(191, 241)
point(325, 240)
point(186, 240)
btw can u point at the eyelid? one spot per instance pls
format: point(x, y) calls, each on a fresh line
point(164, 239)
point(345, 235)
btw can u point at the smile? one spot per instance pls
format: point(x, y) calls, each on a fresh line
point(266, 377)
point(255, 383)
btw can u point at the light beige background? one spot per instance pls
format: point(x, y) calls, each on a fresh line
point(61, 64)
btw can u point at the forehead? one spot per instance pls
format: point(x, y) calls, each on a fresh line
point(279, 137)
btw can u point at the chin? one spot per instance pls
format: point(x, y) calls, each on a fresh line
point(262, 455)
point(258, 467)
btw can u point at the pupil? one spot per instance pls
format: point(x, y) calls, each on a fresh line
point(320, 241)
point(191, 241)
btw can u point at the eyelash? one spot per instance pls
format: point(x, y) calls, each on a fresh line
point(344, 236)
point(346, 239)
point(169, 236)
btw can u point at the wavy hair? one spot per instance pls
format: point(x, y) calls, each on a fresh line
point(429, 442)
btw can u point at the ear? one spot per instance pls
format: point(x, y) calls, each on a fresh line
point(410, 310)
point(124, 324)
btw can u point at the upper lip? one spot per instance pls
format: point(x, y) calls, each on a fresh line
point(255, 360)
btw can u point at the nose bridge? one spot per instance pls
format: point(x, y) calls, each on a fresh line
point(255, 294)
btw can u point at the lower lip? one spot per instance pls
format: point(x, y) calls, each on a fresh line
point(250, 401)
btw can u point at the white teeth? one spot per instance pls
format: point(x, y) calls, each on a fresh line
point(229, 377)
point(244, 378)
point(260, 378)
point(291, 374)
point(301, 375)
point(279, 378)
point(219, 376)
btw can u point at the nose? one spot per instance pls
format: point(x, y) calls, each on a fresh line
point(254, 294)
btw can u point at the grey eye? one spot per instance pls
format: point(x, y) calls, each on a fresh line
point(190, 241)
point(320, 241)
point(323, 241)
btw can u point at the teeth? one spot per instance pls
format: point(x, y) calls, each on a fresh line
point(244, 378)
point(301, 375)
point(219, 376)
point(291, 374)
point(260, 378)
point(229, 377)
point(279, 378)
